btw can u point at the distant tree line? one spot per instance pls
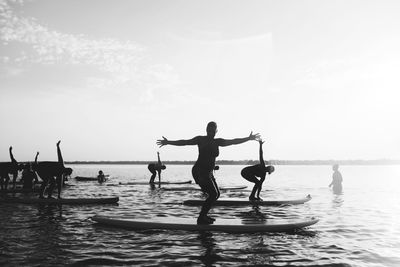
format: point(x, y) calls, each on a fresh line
point(252, 162)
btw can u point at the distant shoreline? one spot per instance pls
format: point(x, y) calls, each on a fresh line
point(249, 162)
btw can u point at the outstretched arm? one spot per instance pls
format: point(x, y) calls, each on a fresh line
point(183, 142)
point(261, 153)
point(237, 141)
point(11, 155)
point(159, 175)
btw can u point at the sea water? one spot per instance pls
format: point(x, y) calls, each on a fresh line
point(359, 227)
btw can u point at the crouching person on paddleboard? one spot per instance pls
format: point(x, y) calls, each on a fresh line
point(251, 173)
point(51, 173)
point(155, 168)
point(202, 170)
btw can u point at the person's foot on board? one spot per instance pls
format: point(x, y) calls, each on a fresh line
point(204, 220)
point(211, 218)
point(50, 197)
point(251, 198)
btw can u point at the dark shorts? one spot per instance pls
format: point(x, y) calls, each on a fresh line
point(201, 175)
point(151, 167)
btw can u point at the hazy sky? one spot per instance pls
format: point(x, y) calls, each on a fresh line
point(318, 79)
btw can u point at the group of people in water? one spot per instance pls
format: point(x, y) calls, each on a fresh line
point(52, 173)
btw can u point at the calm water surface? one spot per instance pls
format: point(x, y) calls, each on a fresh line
point(360, 227)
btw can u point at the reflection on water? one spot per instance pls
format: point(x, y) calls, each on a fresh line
point(253, 216)
point(358, 228)
point(209, 256)
point(337, 200)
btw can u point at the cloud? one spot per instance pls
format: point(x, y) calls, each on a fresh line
point(124, 61)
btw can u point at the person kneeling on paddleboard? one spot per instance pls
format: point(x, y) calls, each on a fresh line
point(101, 178)
point(202, 170)
point(251, 173)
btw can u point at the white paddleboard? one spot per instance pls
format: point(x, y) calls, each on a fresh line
point(244, 202)
point(156, 183)
point(187, 188)
point(222, 225)
point(69, 201)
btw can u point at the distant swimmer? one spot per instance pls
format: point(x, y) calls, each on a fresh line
point(101, 178)
point(251, 173)
point(51, 173)
point(202, 170)
point(29, 177)
point(155, 168)
point(336, 180)
point(7, 168)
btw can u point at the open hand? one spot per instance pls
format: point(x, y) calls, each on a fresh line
point(254, 136)
point(162, 142)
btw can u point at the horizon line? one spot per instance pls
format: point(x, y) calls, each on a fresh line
point(247, 162)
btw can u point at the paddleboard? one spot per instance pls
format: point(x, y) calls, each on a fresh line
point(20, 190)
point(222, 225)
point(85, 178)
point(156, 183)
point(69, 201)
point(187, 188)
point(242, 202)
point(231, 188)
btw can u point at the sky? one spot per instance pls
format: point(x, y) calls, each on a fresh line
point(317, 79)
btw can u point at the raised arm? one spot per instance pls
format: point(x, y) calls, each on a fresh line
point(11, 155)
point(59, 156)
point(261, 153)
point(183, 142)
point(37, 154)
point(158, 156)
point(237, 141)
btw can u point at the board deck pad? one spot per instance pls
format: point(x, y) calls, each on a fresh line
point(245, 202)
point(69, 201)
point(223, 225)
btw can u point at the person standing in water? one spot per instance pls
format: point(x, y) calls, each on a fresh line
point(52, 173)
point(251, 173)
point(155, 168)
point(336, 179)
point(202, 170)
